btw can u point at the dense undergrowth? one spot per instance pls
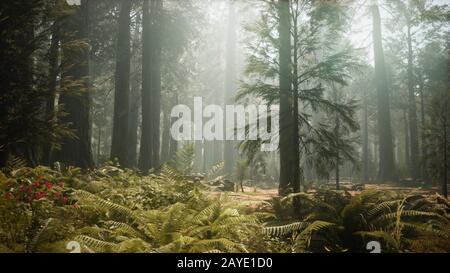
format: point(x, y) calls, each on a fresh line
point(113, 210)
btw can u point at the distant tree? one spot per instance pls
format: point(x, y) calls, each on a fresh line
point(230, 79)
point(119, 146)
point(181, 25)
point(343, 144)
point(288, 153)
point(386, 152)
point(151, 85)
point(135, 96)
point(434, 60)
point(414, 19)
point(146, 150)
point(173, 146)
point(165, 144)
point(406, 13)
point(365, 85)
point(302, 69)
point(156, 14)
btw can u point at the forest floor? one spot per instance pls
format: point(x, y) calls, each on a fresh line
point(258, 194)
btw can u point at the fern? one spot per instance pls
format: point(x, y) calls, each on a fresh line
point(96, 244)
point(424, 229)
point(221, 244)
point(408, 214)
point(285, 229)
point(123, 228)
point(36, 238)
point(15, 162)
point(94, 231)
point(209, 213)
point(387, 206)
point(102, 203)
point(215, 171)
point(184, 159)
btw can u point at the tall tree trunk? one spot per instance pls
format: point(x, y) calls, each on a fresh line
point(295, 150)
point(146, 150)
point(198, 158)
point(76, 151)
point(423, 135)
point(412, 113)
point(53, 60)
point(119, 147)
point(173, 147)
point(156, 17)
point(387, 167)
point(165, 144)
point(218, 153)
point(133, 127)
point(99, 143)
point(337, 128)
point(208, 155)
point(230, 78)
point(135, 97)
point(338, 183)
point(444, 148)
point(407, 139)
point(285, 78)
point(376, 152)
point(366, 141)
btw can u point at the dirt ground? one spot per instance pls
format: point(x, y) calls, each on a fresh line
point(257, 194)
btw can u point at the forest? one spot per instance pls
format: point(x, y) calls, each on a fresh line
point(224, 126)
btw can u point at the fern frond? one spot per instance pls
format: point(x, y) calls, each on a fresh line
point(308, 198)
point(37, 236)
point(102, 203)
point(221, 243)
point(95, 244)
point(124, 228)
point(16, 162)
point(184, 159)
point(167, 171)
point(216, 251)
point(387, 206)
point(215, 171)
point(209, 213)
point(286, 229)
point(408, 214)
point(424, 229)
point(315, 227)
point(94, 231)
point(299, 194)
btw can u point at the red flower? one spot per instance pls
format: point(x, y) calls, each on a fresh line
point(30, 189)
point(37, 184)
point(49, 185)
point(39, 195)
